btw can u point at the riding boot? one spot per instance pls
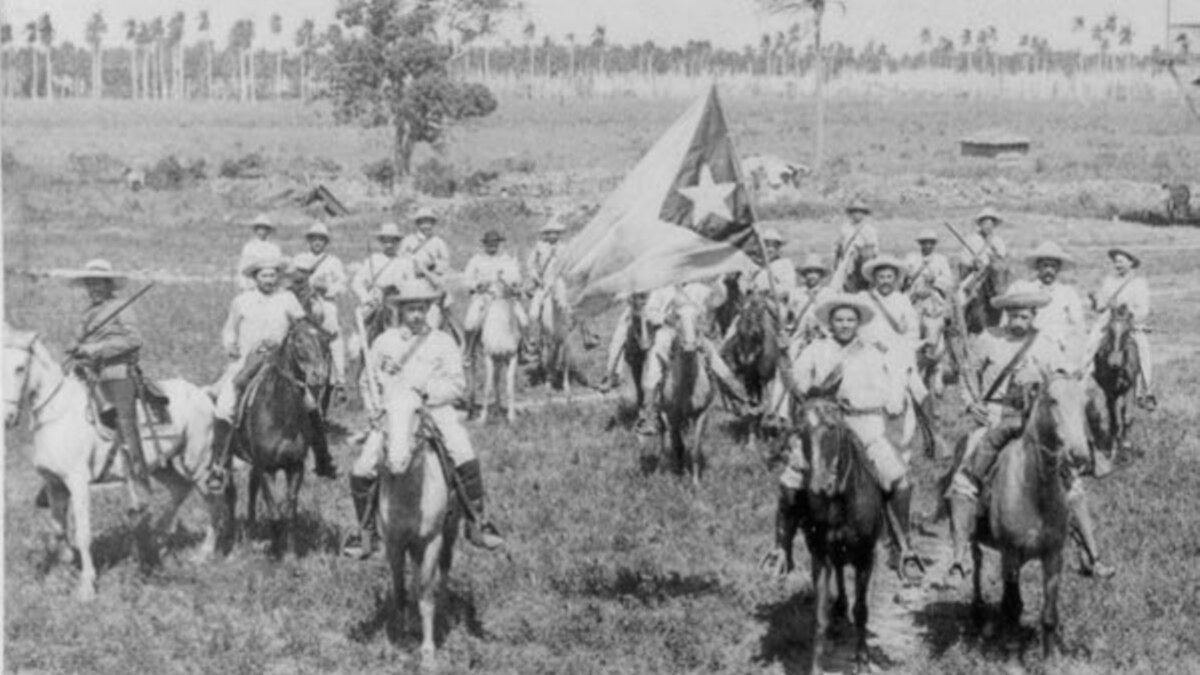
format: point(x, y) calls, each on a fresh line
point(323, 461)
point(220, 462)
point(480, 532)
point(898, 504)
point(366, 504)
point(963, 517)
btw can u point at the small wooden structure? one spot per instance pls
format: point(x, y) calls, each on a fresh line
point(994, 143)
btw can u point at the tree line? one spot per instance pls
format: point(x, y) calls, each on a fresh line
point(179, 57)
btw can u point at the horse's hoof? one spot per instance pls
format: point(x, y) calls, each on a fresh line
point(86, 592)
point(429, 661)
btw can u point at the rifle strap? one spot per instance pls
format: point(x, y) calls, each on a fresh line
point(1112, 299)
point(885, 313)
point(1010, 366)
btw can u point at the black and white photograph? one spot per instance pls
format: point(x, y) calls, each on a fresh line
point(600, 337)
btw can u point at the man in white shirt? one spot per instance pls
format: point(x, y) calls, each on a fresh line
point(260, 247)
point(1125, 288)
point(857, 243)
point(1063, 317)
point(387, 268)
point(490, 274)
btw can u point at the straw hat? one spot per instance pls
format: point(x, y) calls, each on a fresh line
point(927, 234)
point(812, 262)
point(98, 268)
point(1049, 250)
point(1021, 300)
point(253, 267)
point(412, 290)
point(892, 261)
point(824, 311)
point(317, 229)
point(389, 231)
point(424, 213)
point(304, 262)
point(1115, 251)
point(772, 235)
point(988, 212)
point(857, 204)
point(261, 220)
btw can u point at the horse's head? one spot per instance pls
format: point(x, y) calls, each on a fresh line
point(823, 436)
point(688, 319)
point(1115, 344)
point(304, 353)
point(26, 362)
point(1059, 418)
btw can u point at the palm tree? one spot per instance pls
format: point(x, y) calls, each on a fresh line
point(175, 45)
point(529, 32)
point(304, 42)
point(571, 62)
point(276, 26)
point(817, 7)
point(203, 26)
point(94, 33)
point(131, 36)
point(157, 34)
point(6, 38)
point(45, 31)
point(31, 36)
point(251, 78)
point(598, 43)
point(926, 41)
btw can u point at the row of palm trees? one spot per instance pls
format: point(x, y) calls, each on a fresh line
point(159, 64)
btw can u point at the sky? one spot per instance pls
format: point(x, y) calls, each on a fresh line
point(725, 23)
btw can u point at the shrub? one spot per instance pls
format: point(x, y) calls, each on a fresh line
point(380, 172)
point(248, 166)
point(435, 178)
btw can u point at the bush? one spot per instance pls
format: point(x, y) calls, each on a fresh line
point(472, 100)
point(477, 183)
point(380, 172)
point(170, 174)
point(8, 161)
point(248, 166)
point(435, 178)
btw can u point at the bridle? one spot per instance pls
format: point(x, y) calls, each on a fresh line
point(28, 348)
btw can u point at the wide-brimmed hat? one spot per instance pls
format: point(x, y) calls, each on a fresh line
point(411, 290)
point(555, 224)
point(253, 267)
point(884, 261)
point(424, 213)
point(1117, 250)
point(491, 235)
point(927, 234)
point(304, 262)
point(97, 268)
point(812, 262)
point(988, 212)
point(1049, 250)
point(317, 229)
point(389, 231)
point(857, 204)
point(771, 234)
point(1031, 299)
point(825, 310)
point(261, 220)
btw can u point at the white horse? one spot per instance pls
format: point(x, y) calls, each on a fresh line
point(71, 453)
point(500, 337)
point(419, 519)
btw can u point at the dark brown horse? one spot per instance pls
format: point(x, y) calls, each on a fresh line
point(274, 431)
point(754, 352)
point(635, 349)
point(1117, 369)
point(1027, 505)
point(978, 312)
point(843, 518)
point(727, 313)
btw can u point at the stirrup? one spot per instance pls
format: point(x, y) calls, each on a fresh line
point(910, 558)
point(217, 479)
point(484, 535)
point(1147, 402)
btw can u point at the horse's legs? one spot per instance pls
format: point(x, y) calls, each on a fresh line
point(252, 488)
point(427, 587)
point(1052, 567)
point(841, 604)
point(179, 488)
point(295, 478)
point(60, 501)
point(697, 453)
point(977, 604)
point(510, 387)
point(862, 585)
point(1010, 602)
point(81, 499)
point(489, 378)
point(821, 582)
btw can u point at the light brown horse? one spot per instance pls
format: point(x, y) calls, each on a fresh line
point(1117, 369)
point(1027, 512)
point(687, 394)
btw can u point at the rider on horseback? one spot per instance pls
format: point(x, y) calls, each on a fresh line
point(328, 278)
point(323, 314)
point(984, 248)
point(650, 311)
point(695, 295)
point(431, 260)
point(413, 361)
point(929, 273)
point(805, 301)
point(1008, 364)
point(1063, 316)
point(857, 243)
point(259, 247)
point(778, 275)
point(380, 270)
point(259, 319)
point(537, 274)
point(855, 373)
point(1125, 288)
point(487, 275)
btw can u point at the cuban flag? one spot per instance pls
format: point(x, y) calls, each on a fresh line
point(682, 214)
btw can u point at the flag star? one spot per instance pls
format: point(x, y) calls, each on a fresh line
point(709, 197)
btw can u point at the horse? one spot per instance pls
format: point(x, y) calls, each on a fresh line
point(418, 515)
point(687, 394)
point(1028, 506)
point(635, 349)
point(978, 312)
point(273, 432)
point(500, 338)
point(754, 351)
point(843, 518)
point(931, 356)
point(555, 323)
point(71, 453)
point(1117, 368)
point(727, 313)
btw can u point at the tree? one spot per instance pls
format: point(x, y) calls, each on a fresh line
point(157, 33)
point(599, 37)
point(131, 36)
point(276, 30)
point(571, 61)
point(389, 69)
point(45, 30)
point(6, 39)
point(31, 36)
point(241, 34)
point(817, 7)
point(305, 36)
point(96, 28)
point(203, 27)
point(529, 32)
point(175, 47)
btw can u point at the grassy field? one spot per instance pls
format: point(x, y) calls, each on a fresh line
point(613, 567)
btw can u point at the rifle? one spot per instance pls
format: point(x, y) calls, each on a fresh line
point(372, 393)
point(968, 284)
point(108, 319)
